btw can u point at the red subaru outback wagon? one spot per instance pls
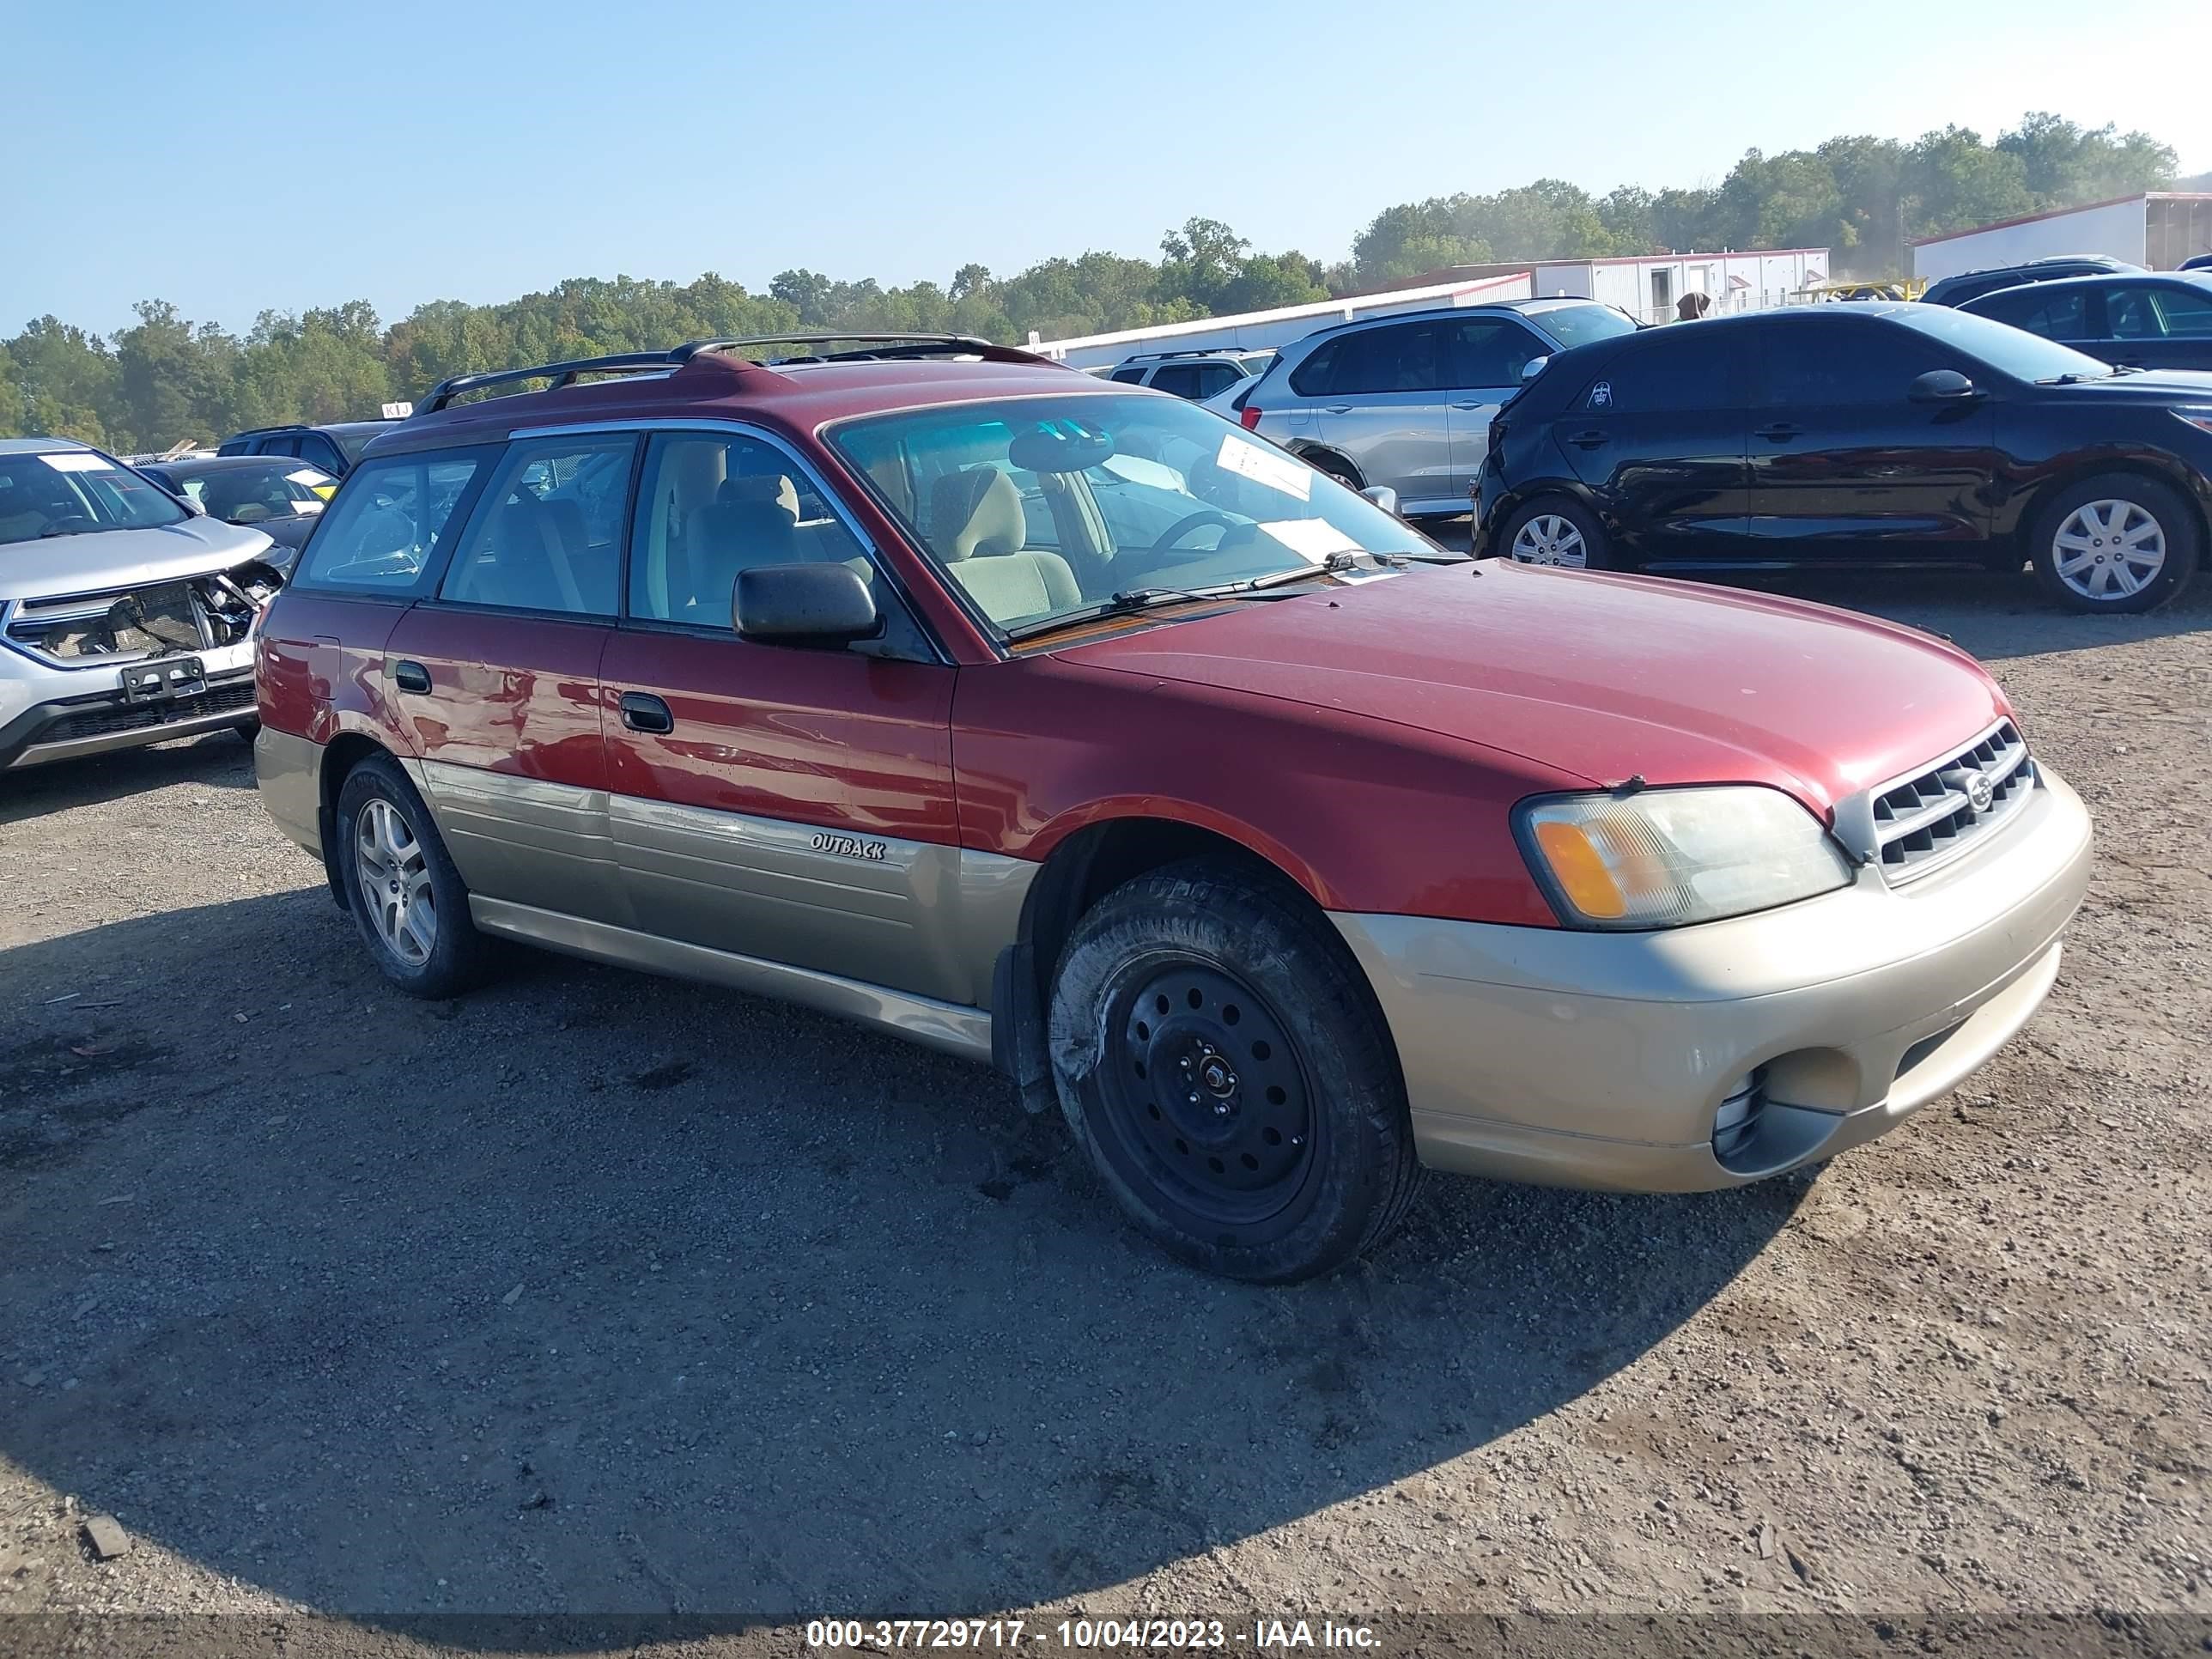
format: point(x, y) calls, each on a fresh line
point(1065, 725)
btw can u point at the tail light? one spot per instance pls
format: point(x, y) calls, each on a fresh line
point(1249, 415)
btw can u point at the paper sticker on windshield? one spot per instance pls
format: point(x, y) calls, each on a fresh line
point(1314, 539)
point(73, 460)
point(309, 476)
point(300, 509)
point(1268, 466)
point(1137, 470)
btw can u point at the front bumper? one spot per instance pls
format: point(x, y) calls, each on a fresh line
point(69, 726)
point(1600, 1059)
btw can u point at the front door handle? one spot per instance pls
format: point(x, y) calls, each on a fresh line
point(1781, 432)
point(1336, 409)
point(1589, 440)
point(1467, 405)
point(643, 712)
point(411, 676)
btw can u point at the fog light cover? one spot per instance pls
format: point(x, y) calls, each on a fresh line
point(1738, 1116)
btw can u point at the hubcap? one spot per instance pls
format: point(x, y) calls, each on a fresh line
point(2109, 550)
point(1209, 1094)
point(395, 882)
point(1547, 538)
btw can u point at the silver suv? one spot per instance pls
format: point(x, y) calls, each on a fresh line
point(126, 615)
point(1197, 375)
point(1405, 400)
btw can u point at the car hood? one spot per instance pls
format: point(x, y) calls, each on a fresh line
point(124, 558)
point(2157, 385)
point(1601, 677)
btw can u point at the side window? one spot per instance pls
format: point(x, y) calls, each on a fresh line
point(1843, 365)
point(2128, 315)
point(710, 505)
point(1401, 357)
point(1490, 351)
point(1311, 378)
point(1692, 369)
point(2055, 316)
point(1215, 377)
point(284, 443)
point(378, 536)
point(1130, 376)
point(317, 450)
point(547, 535)
point(2186, 314)
point(1181, 378)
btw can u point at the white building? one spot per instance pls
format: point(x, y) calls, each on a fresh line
point(1256, 330)
point(2159, 228)
point(1647, 287)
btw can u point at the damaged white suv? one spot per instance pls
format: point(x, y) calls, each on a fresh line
point(126, 615)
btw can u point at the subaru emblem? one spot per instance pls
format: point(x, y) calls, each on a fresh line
point(1981, 795)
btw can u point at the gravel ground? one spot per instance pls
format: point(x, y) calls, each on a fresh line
point(593, 1293)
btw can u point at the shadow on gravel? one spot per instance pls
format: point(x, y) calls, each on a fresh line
point(221, 760)
point(595, 1293)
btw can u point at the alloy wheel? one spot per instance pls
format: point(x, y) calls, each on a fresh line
point(2108, 550)
point(393, 879)
point(1548, 538)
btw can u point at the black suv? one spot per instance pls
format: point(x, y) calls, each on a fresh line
point(2139, 320)
point(1971, 284)
point(334, 447)
point(1903, 435)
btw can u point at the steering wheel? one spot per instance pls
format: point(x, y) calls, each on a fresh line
point(1190, 522)
point(66, 525)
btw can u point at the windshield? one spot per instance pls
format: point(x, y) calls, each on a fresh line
point(74, 492)
point(1574, 325)
point(1052, 506)
point(247, 495)
point(2008, 349)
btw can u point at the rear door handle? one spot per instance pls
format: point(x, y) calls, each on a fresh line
point(1336, 409)
point(643, 712)
point(1589, 440)
point(1781, 432)
point(411, 676)
point(1467, 405)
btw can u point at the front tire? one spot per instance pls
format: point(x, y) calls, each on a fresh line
point(1554, 530)
point(1222, 1062)
point(2115, 542)
point(406, 897)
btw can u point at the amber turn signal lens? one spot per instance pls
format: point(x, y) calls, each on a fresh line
point(1580, 872)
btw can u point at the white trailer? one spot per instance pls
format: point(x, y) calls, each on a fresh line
point(2158, 229)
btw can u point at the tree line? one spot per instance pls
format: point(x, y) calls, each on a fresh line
point(166, 379)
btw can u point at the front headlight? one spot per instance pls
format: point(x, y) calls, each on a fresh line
point(1665, 858)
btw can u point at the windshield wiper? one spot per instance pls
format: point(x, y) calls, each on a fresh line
point(1144, 599)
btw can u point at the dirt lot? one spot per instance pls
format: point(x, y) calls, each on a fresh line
point(593, 1293)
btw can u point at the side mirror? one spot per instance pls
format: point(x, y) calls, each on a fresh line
point(1943, 386)
point(1532, 368)
point(804, 604)
point(1383, 496)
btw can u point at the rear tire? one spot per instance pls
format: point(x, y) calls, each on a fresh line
point(406, 897)
point(1336, 466)
point(2115, 542)
point(1554, 530)
point(1222, 1064)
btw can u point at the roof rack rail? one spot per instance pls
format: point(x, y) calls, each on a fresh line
point(870, 347)
point(1196, 351)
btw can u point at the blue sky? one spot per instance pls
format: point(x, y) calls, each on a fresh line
point(230, 158)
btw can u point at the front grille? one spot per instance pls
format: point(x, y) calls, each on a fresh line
point(106, 720)
point(1930, 818)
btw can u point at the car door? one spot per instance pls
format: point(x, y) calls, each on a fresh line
point(1483, 359)
point(497, 678)
point(1843, 466)
point(2158, 326)
point(1384, 409)
point(1658, 436)
point(784, 802)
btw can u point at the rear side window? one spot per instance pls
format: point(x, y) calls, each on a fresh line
point(1401, 357)
point(319, 451)
point(380, 534)
point(1130, 376)
point(2060, 316)
point(1686, 369)
point(548, 533)
point(1843, 365)
point(1181, 378)
point(1489, 352)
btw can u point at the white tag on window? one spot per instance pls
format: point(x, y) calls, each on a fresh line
point(307, 476)
point(1268, 466)
point(1315, 539)
point(75, 460)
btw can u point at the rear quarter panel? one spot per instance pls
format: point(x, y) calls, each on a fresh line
point(318, 667)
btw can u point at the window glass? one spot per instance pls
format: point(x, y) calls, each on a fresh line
point(2128, 315)
point(1671, 369)
point(1180, 379)
point(1402, 357)
point(2056, 316)
point(1216, 377)
point(2186, 314)
point(1574, 325)
point(711, 506)
point(247, 493)
point(1490, 351)
point(319, 451)
point(383, 529)
point(1186, 500)
point(2009, 351)
point(76, 492)
point(1130, 376)
point(286, 443)
point(1843, 365)
point(352, 443)
point(548, 533)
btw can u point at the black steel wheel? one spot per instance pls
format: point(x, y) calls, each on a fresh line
point(1222, 1060)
